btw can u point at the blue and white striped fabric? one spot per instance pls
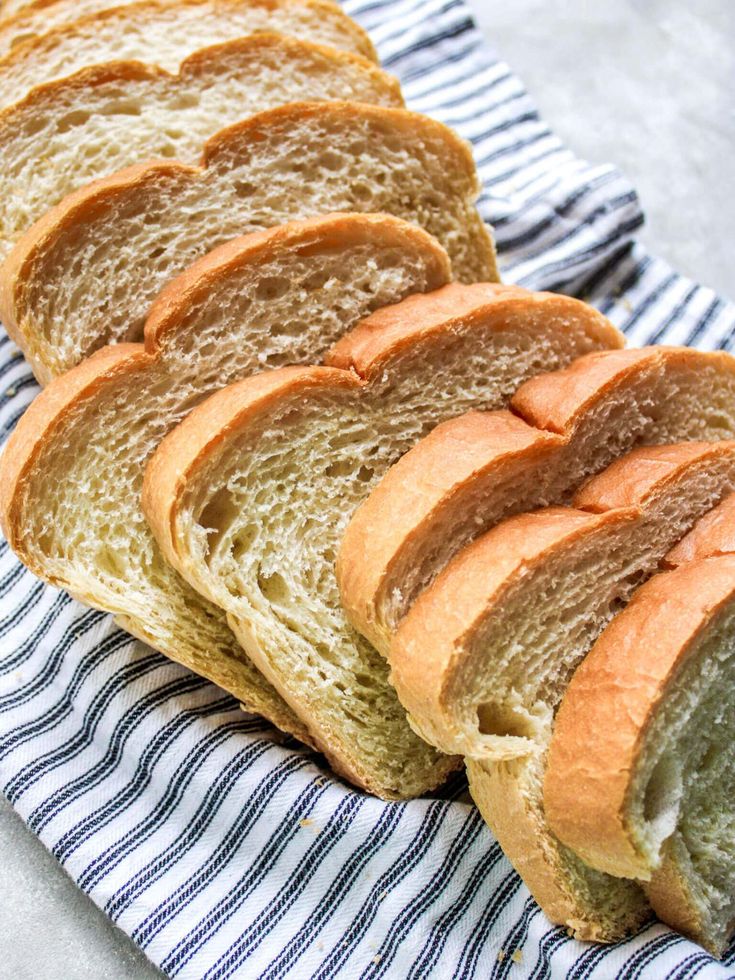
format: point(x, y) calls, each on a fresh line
point(224, 850)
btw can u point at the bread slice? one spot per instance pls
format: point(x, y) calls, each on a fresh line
point(483, 658)
point(473, 471)
point(71, 476)
point(641, 780)
point(249, 497)
point(139, 228)
point(163, 33)
point(109, 116)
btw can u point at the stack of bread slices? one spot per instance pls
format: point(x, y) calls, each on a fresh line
point(296, 436)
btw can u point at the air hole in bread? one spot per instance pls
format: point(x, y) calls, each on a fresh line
point(662, 798)
point(77, 118)
point(494, 719)
point(219, 514)
point(272, 287)
point(273, 587)
point(123, 108)
point(244, 188)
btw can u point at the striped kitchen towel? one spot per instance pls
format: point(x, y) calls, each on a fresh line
point(225, 850)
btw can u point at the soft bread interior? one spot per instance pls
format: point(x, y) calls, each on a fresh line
point(518, 656)
point(671, 400)
point(516, 659)
point(79, 507)
point(595, 906)
point(259, 521)
point(91, 279)
point(110, 116)
point(681, 813)
point(45, 43)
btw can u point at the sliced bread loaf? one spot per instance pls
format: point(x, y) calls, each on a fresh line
point(41, 45)
point(483, 658)
point(88, 271)
point(641, 778)
point(163, 33)
point(71, 476)
point(108, 116)
point(250, 496)
point(473, 471)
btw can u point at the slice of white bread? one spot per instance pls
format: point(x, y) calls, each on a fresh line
point(483, 658)
point(71, 476)
point(41, 45)
point(109, 116)
point(165, 34)
point(249, 496)
point(640, 780)
point(473, 471)
point(88, 271)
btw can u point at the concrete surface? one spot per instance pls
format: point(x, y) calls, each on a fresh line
point(647, 85)
point(644, 83)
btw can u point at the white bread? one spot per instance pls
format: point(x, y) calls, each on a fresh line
point(41, 45)
point(476, 470)
point(249, 496)
point(139, 228)
point(71, 475)
point(483, 658)
point(108, 116)
point(641, 780)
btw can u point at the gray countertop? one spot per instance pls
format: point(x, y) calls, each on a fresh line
point(646, 84)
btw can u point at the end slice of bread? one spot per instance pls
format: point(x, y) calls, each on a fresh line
point(474, 471)
point(88, 271)
point(250, 496)
point(483, 658)
point(640, 778)
point(71, 475)
point(43, 43)
point(112, 115)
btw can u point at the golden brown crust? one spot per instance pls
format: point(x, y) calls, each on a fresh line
point(415, 492)
point(712, 535)
point(611, 700)
point(97, 198)
point(195, 65)
point(557, 401)
point(83, 205)
point(382, 335)
point(324, 232)
point(36, 46)
point(193, 441)
point(429, 649)
point(631, 480)
point(497, 790)
point(42, 419)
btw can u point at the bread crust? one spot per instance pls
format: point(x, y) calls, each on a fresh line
point(176, 300)
point(37, 45)
point(222, 415)
point(53, 409)
point(199, 63)
point(443, 476)
point(17, 272)
point(556, 402)
point(612, 699)
point(429, 651)
point(497, 792)
point(431, 648)
point(96, 201)
point(633, 479)
point(416, 492)
point(46, 414)
point(712, 535)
